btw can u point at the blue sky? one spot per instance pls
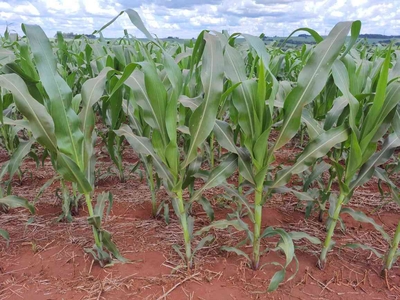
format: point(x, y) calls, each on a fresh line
point(186, 18)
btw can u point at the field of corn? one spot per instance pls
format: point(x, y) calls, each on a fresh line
point(218, 168)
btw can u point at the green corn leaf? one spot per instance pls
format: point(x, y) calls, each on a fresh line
point(191, 103)
point(339, 104)
point(40, 121)
point(18, 156)
point(371, 121)
point(354, 159)
point(311, 81)
point(5, 235)
point(92, 90)
point(313, 127)
point(151, 114)
point(223, 224)
point(203, 118)
point(298, 235)
point(315, 149)
point(143, 145)
point(341, 79)
point(317, 171)
point(110, 246)
point(236, 251)
point(242, 199)
point(218, 175)
point(66, 121)
point(285, 243)
point(276, 280)
point(157, 97)
point(71, 172)
point(243, 96)
point(208, 239)
point(224, 136)
point(207, 207)
point(366, 171)
point(361, 217)
point(15, 202)
point(364, 247)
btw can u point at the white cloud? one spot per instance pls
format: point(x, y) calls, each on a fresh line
point(186, 18)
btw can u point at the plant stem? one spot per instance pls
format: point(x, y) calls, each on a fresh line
point(90, 210)
point(257, 227)
point(185, 228)
point(153, 192)
point(212, 149)
point(240, 188)
point(331, 229)
point(393, 249)
point(150, 180)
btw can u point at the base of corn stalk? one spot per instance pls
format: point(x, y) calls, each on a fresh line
point(150, 181)
point(257, 228)
point(90, 210)
point(331, 229)
point(391, 256)
point(185, 229)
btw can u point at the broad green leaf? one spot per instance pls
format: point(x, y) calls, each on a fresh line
point(15, 202)
point(40, 121)
point(218, 175)
point(334, 113)
point(341, 78)
point(313, 127)
point(92, 90)
point(66, 121)
point(315, 149)
point(276, 280)
point(361, 217)
point(311, 81)
point(375, 110)
point(317, 171)
point(223, 224)
point(209, 238)
point(364, 247)
point(236, 251)
point(203, 118)
point(18, 156)
point(143, 145)
point(366, 171)
point(71, 172)
point(224, 135)
point(4, 234)
point(298, 235)
point(151, 114)
point(243, 95)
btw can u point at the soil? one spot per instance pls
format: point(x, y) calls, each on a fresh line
point(45, 259)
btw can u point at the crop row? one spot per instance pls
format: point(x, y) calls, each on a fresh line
point(201, 111)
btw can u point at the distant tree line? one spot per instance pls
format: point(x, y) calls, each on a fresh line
point(71, 35)
point(379, 36)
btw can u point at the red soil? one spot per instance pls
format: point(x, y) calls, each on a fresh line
point(46, 260)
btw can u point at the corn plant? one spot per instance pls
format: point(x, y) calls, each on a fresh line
point(254, 102)
point(176, 164)
point(7, 202)
point(67, 136)
point(369, 122)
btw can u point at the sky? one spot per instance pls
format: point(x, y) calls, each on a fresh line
point(186, 18)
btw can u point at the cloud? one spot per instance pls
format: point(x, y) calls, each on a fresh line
point(186, 18)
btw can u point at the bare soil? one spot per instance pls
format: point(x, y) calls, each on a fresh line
point(45, 259)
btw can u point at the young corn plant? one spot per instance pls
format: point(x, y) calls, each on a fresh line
point(254, 99)
point(175, 155)
point(369, 122)
point(7, 202)
point(67, 136)
point(159, 107)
